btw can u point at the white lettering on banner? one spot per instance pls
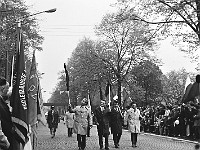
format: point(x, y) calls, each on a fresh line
point(32, 88)
point(22, 92)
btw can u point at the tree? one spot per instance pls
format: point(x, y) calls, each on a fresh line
point(148, 75)
point(126, 43)
point(173, 85)
point(175, 18)
point(12, 12)
point(59, 94)
point(87, 73)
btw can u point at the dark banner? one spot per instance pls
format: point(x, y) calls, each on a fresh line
point(19, 94)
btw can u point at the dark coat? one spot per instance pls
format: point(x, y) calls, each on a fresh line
point(116, 121)
point(6, 122)
point(103, 119)
point(53, 119)
point(197, 119)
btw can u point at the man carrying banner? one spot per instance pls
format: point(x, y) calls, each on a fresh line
point(83, 119)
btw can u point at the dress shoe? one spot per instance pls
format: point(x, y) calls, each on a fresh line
point(116, 146)
point(53, 135)
point(107, 148)
point(134, 145)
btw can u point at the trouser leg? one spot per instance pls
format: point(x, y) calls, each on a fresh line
point(118, 137)
point(88, 131)
point(136, 135)
point(79, 140)
point(71, 131)
point(68, 132)
point(53, 130)
point(115, 138)
point(101, 141)
point(83, 141)
point(50, 130)
point(106, 141)
point(134, 138)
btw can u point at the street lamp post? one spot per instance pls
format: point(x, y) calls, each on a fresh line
point(46, 11)
point(19, 26)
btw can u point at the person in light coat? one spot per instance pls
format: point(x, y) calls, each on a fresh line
point(83, 119)
point(132, 118)
point(69, 121)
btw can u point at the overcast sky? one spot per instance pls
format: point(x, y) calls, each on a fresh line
point(73, 20)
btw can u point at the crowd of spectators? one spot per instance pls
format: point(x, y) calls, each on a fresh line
point(182, 120)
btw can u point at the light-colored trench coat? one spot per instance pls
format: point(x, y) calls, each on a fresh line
point(69, 119)
point(83, 118)
point(132, 118)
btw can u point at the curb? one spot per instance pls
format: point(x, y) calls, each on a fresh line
point(172, 138)
point(167, 137)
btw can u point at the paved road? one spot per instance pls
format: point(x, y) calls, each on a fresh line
point(145, 141)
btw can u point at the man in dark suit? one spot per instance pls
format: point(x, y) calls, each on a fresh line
point(102, 118)
point(52, 120)
point(116, 123)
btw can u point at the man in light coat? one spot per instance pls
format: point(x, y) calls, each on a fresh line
point(133, 119)
point(83, 119)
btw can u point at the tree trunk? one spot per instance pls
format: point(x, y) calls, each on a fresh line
point(119, 91)
point(100, 91)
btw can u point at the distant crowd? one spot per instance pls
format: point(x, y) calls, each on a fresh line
point(176, 121)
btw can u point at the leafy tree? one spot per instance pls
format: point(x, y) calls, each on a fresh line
point(148, 76)
point(126, 44)
point(87, 73)
point(174, 85)
point(59, 94)
point(12, 12)
point(175, 18)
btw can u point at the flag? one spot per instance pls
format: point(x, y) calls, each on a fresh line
point(187, 82)
point(32, 93)
point(67, 81)
point(126, 99)
point(67, 77)
point(89, 98)
point(107, 89)
point(89, 103)
point(11, 72)
point(107, 93)
point(188, 85)
point(192, 91)
point(41, 114)
point(19, 95)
